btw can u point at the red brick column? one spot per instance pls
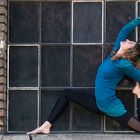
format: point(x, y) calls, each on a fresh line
point(3, 36)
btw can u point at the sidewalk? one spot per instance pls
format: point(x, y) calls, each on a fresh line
point(73, 137)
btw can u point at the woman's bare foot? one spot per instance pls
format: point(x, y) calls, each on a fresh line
point(43, 129)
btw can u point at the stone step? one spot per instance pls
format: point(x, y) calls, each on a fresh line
point(75, 136)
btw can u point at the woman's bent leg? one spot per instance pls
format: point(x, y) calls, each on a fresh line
point(84, 100)
point(80, 98)
point(89, 102)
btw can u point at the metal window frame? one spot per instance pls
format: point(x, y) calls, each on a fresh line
point(71, 44)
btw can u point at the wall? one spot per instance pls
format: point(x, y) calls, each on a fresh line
point(3, 36)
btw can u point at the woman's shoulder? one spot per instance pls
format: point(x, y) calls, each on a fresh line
point(122, 62)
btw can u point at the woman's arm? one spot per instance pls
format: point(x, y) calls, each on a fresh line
point(132, 72)
point(125, 31)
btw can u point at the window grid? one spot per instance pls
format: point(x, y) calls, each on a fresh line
point(71, 44)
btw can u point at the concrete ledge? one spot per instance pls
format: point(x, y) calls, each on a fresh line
point(73, 137)
point(14, 137)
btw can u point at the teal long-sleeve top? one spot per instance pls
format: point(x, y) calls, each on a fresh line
point(110, 73)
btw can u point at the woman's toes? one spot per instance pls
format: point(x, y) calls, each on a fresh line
point(35, 131)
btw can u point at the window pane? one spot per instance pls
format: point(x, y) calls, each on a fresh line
point(23, 22)
point(127, 98)
point(85, 120)
point(22, 110)
point(55, 22)
point(85, 28)
point(23, 66)
point(86, 62)
point(107, 50)
point(127, 82)
point(55, 65)
point(117, 15)
point(48, 100)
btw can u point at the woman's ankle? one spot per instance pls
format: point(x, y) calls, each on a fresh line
point(46, 123)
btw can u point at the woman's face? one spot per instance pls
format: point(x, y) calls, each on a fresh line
point(127, 45)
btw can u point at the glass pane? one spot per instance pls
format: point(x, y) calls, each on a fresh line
point(55, 22)
point(127, 98)
point(22, 110)
point(48, 100)
point(85, 120)
point(127, 82)
point(85, 28)
point(117, 15)
point(55, 65)
point(107, 51)
point(86, 62)
point(23, 66)
point(23, 22)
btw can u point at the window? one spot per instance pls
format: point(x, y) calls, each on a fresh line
point(55, 45)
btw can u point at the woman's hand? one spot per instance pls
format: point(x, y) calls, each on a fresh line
point(136, 90)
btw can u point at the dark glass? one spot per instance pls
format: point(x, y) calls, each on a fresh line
point(22, 110)
point(107, 50)
point(139, 26)
point(85, 64)
point(127, 98)
point(118, 14)
point(23, 26)
point(55, 63)
point(85, 28)
point(55, 26)
point(126, 82)
point(23, 66)
point(48, 100)
point(85, 120)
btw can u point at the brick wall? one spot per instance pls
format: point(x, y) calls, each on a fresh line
point(3, 35)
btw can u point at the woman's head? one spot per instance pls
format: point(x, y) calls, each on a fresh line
point(129, 50)
point(126, 45)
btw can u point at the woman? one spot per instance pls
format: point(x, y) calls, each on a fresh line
point(123, 61)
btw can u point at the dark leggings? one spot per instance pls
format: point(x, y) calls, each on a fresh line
point(88, 102)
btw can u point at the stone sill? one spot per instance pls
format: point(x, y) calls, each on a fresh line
point(77, 136)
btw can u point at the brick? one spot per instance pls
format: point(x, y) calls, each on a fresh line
point(3, 88)
point(2, 96)
point(2, 79)
point(3, 56)
point(3, 34)
point(1, 121)
point(3, 10)
point(3, 27)
point(3, 53)
point(2, 72)
point(3, 19)
point(2, 63)
point(2, 113)
point(1, 128)
point(3, 3)
point(2, 105)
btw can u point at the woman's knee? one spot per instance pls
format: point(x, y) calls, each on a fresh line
point(69, 94)
point(123, 119)
point(63, 98)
